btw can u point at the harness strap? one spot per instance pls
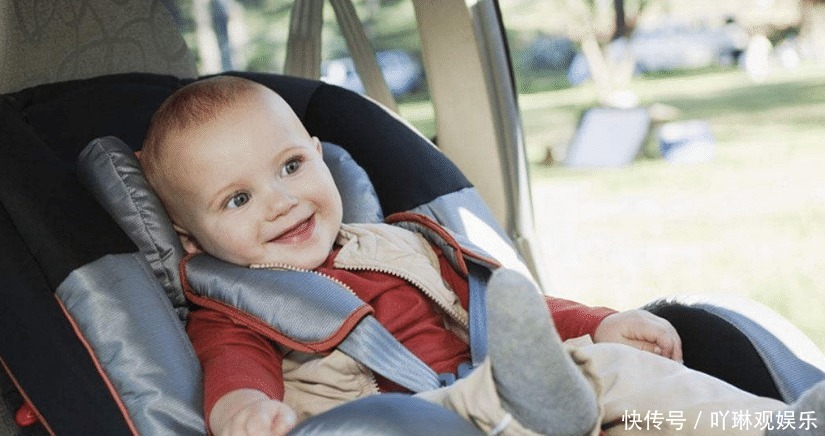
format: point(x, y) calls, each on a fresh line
point(477, 278)
point(372, 345)
point(478, 265)
point(329, 316)
point(312, 322)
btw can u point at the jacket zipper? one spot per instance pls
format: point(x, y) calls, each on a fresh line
point(450, 310)
point(283, 266)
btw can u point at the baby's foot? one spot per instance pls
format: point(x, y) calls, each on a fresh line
point(807, 414)
point(537, 381)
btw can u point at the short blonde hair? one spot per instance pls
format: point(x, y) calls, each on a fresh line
point(190, 106)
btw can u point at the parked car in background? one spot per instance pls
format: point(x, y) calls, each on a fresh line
point(402, 71)
point(668, 48)
point(547, 52)
point(678, 47)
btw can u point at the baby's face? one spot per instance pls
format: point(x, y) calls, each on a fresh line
point(253, 188)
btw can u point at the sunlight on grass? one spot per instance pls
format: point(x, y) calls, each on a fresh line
point(751, 222)
point(419, 114)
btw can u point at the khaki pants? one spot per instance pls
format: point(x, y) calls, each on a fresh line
point(639, 392)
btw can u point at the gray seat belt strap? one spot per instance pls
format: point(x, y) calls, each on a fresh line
point(303, 47)
point(363, 54)
point(477, 282)
point(303, 50)
point(306, 317)
point(372, 345)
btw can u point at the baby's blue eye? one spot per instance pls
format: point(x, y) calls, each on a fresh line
point(291, 166)
point(237, 200)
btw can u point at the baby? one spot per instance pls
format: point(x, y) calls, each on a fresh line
point(243, 181)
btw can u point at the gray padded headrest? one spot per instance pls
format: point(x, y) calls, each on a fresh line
point(112, 172)
point(357, 193)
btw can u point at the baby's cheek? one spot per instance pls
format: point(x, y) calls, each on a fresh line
point(237, 241)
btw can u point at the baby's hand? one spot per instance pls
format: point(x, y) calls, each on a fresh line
point(643, 330)
point(258, 415)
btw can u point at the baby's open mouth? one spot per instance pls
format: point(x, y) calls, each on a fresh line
point(297, 233)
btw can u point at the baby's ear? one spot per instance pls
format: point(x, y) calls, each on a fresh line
point(318, 146)
point(190, 244)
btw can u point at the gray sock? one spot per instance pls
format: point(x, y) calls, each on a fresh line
point(808, 414)
point(537, 381)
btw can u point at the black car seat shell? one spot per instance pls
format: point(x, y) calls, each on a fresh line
point(50, 225)
point(60, 227)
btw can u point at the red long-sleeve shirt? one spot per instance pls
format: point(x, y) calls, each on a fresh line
point(233, 357)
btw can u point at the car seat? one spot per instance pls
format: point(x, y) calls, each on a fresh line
point(60, 227)
point(50, 226)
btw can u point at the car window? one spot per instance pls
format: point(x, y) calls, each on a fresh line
point(251, 35)
point(719, 197)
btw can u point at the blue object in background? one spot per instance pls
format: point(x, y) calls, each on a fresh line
point(402, 71)
point(608, 138)
point(687, 142)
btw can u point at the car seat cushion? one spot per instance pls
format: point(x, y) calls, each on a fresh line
point(139, 345)
point(110, 170)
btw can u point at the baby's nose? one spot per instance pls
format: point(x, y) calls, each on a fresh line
point(279, 202)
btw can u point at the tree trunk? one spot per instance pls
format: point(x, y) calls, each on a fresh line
point(621, 21)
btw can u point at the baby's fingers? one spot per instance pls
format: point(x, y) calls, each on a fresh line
point(268, 417)
point(667, 342)
point(283, 420)
point(650, 347)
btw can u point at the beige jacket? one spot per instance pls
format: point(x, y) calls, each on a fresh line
point(314, 384)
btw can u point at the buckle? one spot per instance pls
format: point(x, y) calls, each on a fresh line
point(446, 379)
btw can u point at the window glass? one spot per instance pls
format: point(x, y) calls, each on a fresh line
point(251, 35)
point(722, 195)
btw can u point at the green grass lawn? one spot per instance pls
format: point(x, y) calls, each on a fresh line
point(751, 222)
